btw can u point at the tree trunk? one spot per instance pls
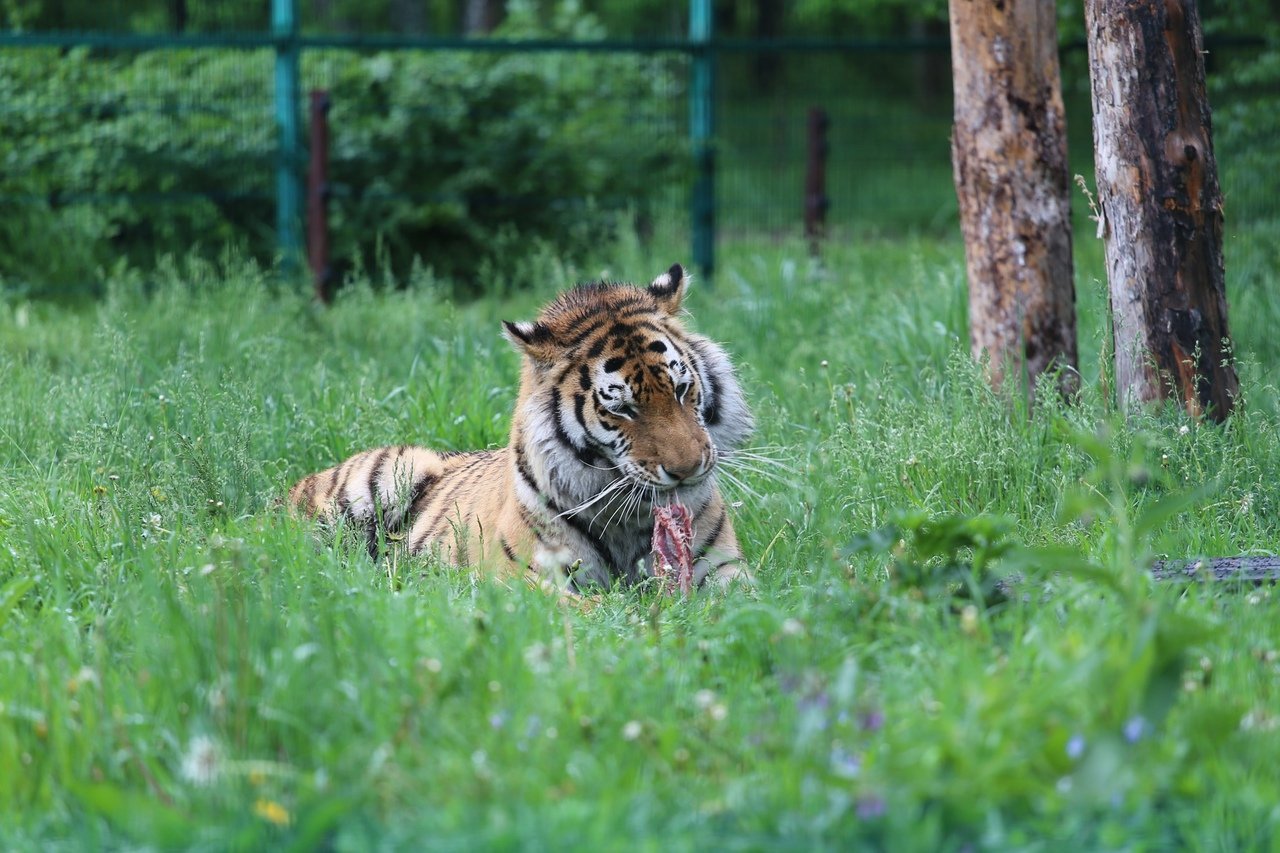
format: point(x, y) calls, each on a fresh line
point(1009, 151)
point(1160, 203)
point(481, 16)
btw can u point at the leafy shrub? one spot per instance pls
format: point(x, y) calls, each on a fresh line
point(1244, 92)
point(457, 158)
point(1247, 127)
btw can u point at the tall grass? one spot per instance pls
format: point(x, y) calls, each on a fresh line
point(181, 664)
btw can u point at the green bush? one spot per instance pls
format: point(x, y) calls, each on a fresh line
point(1247, 125)
point(456, 158)
point(1244, 92)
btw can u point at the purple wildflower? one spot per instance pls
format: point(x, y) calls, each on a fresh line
point(818, 701)
point(870, 807)
point(1135, 728)
point(872, 720)
point(845, 764)
point(1075, 747)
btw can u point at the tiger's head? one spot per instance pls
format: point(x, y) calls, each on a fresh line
point(614, 381)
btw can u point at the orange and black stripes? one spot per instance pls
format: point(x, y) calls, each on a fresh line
point(620, 408)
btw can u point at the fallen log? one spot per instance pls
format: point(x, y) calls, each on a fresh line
point(1239, 569)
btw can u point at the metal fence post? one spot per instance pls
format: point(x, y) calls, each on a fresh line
point(284, 29)
point(701, 128)
point(815, 179)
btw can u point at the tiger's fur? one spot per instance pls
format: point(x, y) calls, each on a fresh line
point(620, 408)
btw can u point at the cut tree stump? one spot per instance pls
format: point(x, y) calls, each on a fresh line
point(1242, 569)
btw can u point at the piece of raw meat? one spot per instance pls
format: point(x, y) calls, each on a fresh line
point(673, 547)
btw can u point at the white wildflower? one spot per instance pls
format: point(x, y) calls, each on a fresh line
point(538, 658)
point(202, 764)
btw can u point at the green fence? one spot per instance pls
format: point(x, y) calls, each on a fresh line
point(128, 141)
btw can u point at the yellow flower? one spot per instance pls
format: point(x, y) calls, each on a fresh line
point(270, 810)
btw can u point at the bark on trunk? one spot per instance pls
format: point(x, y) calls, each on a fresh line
point(480, 17)
point(1161, 205)
point(1009, 152)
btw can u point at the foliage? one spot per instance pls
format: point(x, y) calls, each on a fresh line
point(951, 555)
point(450, 157)
point(464, 159)
point(182, 664)
point(1245, 93)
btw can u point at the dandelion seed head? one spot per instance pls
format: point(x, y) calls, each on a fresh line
point(202, 763)
point(538, 658)
point(632, 730)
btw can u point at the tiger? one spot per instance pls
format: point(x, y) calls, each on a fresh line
point(620, 409)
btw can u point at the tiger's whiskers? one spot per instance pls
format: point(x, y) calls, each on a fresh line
point(591, 501)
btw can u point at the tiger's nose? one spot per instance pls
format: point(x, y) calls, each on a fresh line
point(678, 472)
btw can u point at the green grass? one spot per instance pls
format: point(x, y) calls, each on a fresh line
point(182, 665)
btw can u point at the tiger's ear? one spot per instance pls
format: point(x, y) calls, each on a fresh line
point(532, 338)
point(668, 289)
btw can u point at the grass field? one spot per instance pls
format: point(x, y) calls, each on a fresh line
point(182, 665)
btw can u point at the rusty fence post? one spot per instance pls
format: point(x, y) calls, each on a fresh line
point(815, 179)
point(318, 197)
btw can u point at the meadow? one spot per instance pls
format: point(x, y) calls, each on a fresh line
point(953, 642)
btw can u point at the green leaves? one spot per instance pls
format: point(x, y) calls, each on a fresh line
point(469, 161)
point(11, 593)
point(140, 815)
point(947, 555)
point(1135, 671)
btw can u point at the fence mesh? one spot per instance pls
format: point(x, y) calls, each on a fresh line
point(132, 152)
